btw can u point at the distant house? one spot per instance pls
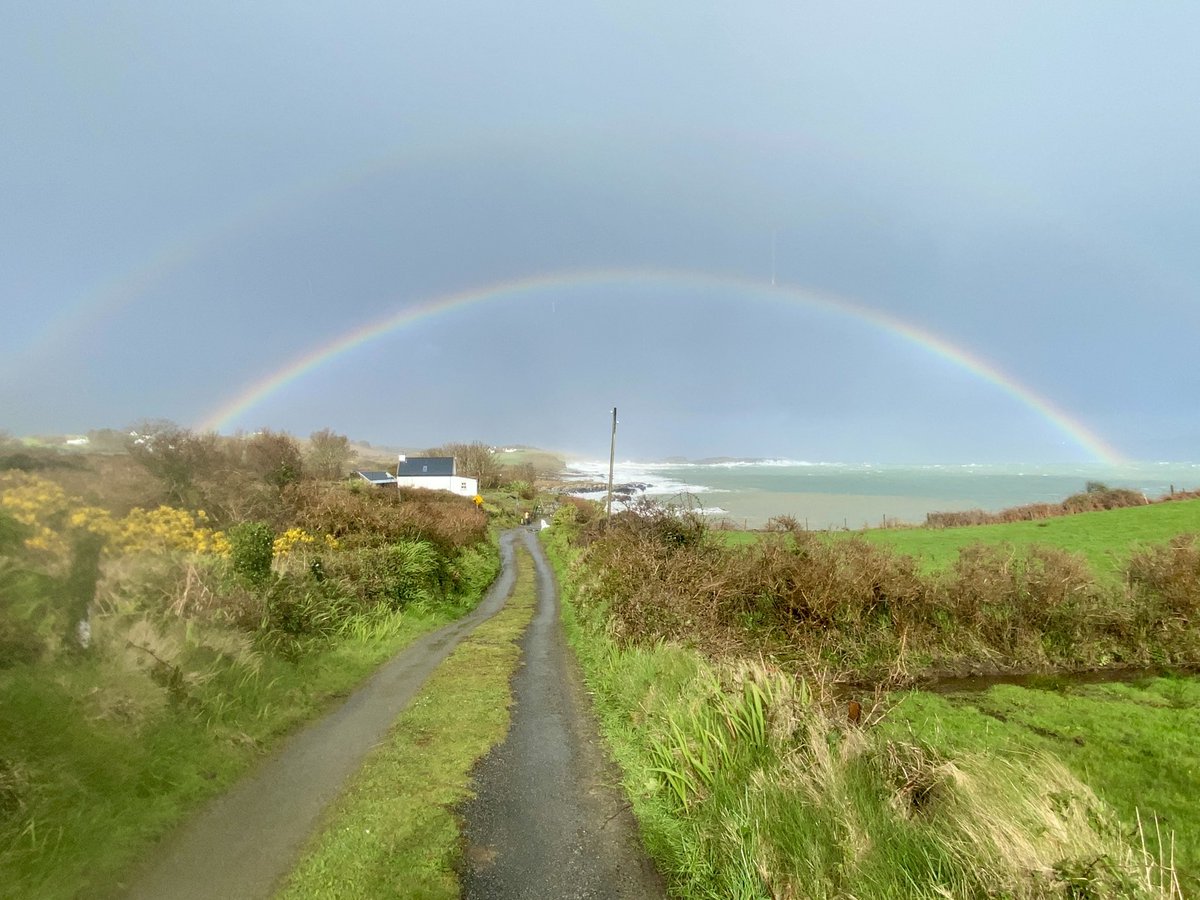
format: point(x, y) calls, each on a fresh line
point(379, 479)
point(436, 473)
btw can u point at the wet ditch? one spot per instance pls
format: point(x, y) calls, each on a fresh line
point(1051, 681)
point(1042, 681)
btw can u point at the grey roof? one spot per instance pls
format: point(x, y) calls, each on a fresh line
point(377, 477)
point(427, 465)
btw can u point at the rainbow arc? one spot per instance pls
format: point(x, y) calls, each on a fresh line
point(235, 408)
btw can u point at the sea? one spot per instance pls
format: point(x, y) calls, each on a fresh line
point(748, 492)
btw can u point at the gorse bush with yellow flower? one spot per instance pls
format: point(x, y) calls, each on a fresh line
point(252, 566)
point(179, 642)
point(297, 539)
point(167, 529)
point(50, 515)
point(40, 505)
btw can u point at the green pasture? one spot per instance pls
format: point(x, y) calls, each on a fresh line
point(1106, 538)
point(1132, 743)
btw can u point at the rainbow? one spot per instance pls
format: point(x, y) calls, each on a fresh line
point(224, 416)
point(122, 291)
point(174, 256)
point(119, 292)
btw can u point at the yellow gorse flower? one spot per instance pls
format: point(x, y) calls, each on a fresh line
point(298, 539)
point(167, 529)
point(44, 508)
point(38, 504)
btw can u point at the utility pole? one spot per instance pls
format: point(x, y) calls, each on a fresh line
point(612, 456)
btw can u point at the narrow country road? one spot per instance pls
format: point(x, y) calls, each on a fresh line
point(246, 840)
point(548, 820)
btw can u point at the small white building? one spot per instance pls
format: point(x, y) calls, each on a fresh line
point(379, 479)
point(435, 473)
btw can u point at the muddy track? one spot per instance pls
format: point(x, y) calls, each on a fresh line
point(548, 820)
point(248, 839)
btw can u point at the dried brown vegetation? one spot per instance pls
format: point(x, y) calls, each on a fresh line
point(1096, 497)
point(1172, 575)
point(475, 460)
point(868, 612)
point(371, 517)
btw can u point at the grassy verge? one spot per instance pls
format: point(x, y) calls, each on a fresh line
point(98, 760)
point(1133, 744)
point(394, 833)
point(748, 784)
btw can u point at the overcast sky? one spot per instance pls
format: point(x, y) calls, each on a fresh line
point(195, 195)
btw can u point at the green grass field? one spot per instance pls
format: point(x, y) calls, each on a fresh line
point(1106, 538)
point(1133, 744)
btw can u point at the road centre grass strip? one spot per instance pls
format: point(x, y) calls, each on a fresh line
point(394, 833)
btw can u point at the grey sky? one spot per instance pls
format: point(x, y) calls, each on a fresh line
point(196, 194)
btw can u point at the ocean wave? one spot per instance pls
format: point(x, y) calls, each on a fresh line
point(649, 474)
point(594, 467)
point(620, 505)
point(768, 464)
point(661, 488)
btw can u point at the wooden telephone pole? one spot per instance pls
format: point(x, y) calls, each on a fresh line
point(612, 455)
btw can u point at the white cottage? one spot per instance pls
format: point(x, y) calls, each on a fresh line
point(437, 473)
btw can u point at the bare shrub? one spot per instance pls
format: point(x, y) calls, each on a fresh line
point(1045, 600)
point(584, 511)
point(1095, 497)
point(783, 523)
point(274, 457)
point(375, 517)
point(657, 574)
point(328, 454)
point(1179, 495)
point(521, 480)
point(1099, 497)
point(178, 457)
point(476, 460)
point(1171, 573)
point(815, 583)
point(1059, 590)
point(863, 608)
